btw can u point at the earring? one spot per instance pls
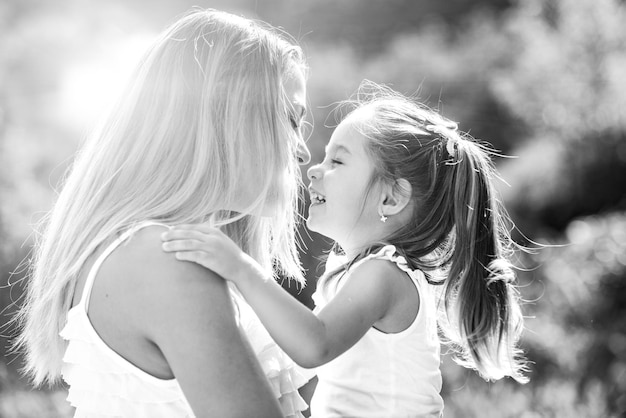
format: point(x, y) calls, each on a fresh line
point(383, 218)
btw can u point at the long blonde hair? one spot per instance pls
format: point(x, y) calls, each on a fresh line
point(206, 104)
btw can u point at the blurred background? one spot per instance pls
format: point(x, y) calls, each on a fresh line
point(544, 81)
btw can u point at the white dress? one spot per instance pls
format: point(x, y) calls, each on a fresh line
point(104, 384)
point(384, 375)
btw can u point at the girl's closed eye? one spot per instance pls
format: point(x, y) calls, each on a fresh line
point(335, 161)
point(294, 123)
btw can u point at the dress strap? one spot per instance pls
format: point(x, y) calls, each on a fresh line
point(86, 296)
point(389, 252)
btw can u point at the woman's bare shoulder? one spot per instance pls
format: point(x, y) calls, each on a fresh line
point(141, 258)
point(153, 283)
point(186, 312)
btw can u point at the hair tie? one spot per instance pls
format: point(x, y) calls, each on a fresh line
point(452, 146)
point(452, 139)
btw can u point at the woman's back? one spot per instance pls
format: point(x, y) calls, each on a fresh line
point(136, 314)
point(171, 149)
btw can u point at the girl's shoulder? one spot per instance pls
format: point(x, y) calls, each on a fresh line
point(384, 271)
point(389, 256)
point(381, 265)
point(376, 266)
point(396, 284)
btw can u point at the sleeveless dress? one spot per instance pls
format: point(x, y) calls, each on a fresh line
point(383, 374)
point(104, 384)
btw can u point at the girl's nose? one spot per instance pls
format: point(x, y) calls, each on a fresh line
point(304, 156)
point(313, 173)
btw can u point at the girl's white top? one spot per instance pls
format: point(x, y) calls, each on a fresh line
point(383, 375)
point(104, 384)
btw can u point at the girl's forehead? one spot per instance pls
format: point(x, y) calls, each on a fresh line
point(361, 114)
point(348, 137)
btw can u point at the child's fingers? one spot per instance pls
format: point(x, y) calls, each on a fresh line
point(206, 228)
point(185, 245)
point(197, 257)
point(177, 234)
point(201, 258)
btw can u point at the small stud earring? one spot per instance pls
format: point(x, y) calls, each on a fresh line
point(383, 218)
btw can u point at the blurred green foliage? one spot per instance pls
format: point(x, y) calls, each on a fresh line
point(541, 80)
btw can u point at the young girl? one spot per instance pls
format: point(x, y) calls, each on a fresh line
point(405, 196)
point(216, 99)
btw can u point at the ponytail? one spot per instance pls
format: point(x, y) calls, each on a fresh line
point(457, 226)
point(480, 299)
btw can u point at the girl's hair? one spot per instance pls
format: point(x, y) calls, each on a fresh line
point(206, 104)
point(458, 225)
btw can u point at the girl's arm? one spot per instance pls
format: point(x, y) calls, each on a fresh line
point(308, 339)
point(186, 311)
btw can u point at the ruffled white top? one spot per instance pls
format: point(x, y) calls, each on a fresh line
point(383, 374)
point(104, 384)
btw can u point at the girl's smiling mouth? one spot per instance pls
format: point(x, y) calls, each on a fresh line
point(316, 198)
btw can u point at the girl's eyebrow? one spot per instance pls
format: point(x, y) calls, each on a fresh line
point(337, 148)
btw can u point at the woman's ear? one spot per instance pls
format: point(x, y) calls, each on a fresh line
point(395, 197)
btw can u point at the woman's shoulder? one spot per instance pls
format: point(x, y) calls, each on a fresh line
point(140, 255)
point(139, 273)
point(140, 245)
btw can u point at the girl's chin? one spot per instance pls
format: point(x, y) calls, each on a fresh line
point(312, 224)
point(315, 225)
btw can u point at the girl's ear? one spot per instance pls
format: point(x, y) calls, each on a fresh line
point(395, 197)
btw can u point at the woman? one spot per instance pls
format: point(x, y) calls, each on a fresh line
point(207, 131)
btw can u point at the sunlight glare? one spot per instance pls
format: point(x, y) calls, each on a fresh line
point(88, 86)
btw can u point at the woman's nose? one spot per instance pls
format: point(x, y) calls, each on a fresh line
point(313, 173)
point(304, 156)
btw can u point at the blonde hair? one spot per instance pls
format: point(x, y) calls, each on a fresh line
point(206, 104)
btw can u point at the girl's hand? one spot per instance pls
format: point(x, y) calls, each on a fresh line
point(210, 248)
